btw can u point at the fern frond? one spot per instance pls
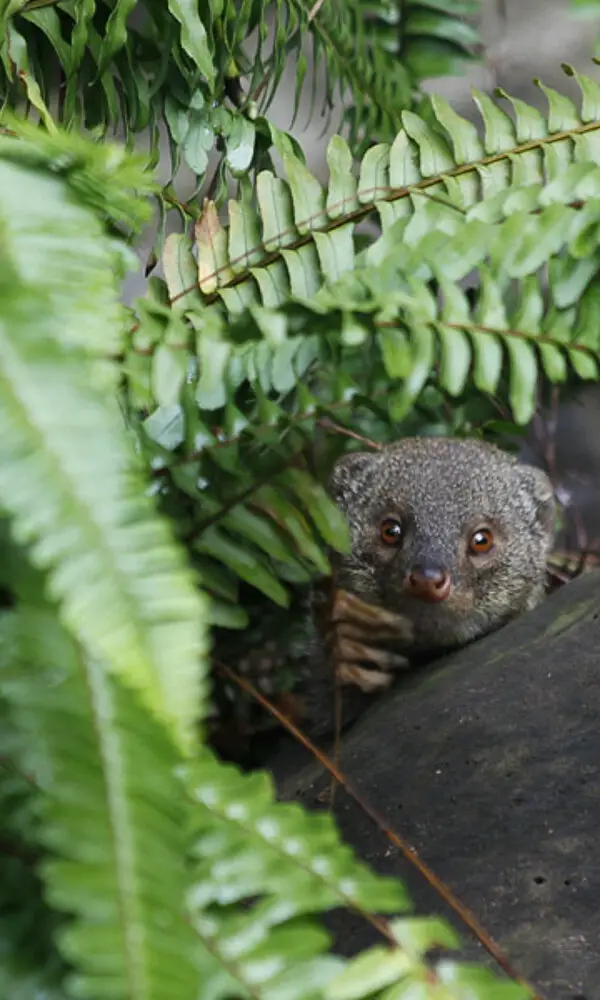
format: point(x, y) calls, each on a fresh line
point(116, 834)
point(115, 72)
point(112, 811)
point(279, 318)
point(441, 197)
point(389, 973)
point(432, 38)
point(68, 475)
point(297, 235)
point(106, 179)
point(378, 84)
point(286, 865)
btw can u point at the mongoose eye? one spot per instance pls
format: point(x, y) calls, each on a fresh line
point(482, 541)
point(390, 531)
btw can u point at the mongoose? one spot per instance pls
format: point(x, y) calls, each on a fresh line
point(449, 541)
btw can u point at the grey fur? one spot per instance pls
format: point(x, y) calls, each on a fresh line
point(443, 489)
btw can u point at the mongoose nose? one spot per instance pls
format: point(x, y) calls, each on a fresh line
point(429, 583)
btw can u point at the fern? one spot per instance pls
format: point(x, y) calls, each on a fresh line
point(281, 318)
point(172, 63)
point(58, 262)
point(440, 174)
point(115, 823)
point(117, 827)
point(164, 873)
point(430, 38)
point(379, 84)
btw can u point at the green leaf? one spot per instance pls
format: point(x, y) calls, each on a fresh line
point(373, 970)
point(213, 355)
point(423, 355)
point(286, 514)
point(283, 373)
point(216, 543)
point(276, 211)
point(177, 119)
point(543, 237)
point(403, 162)
point(531, 124)
point(198, 142)
point(17, 50)
point(455, 359)
point(46, 19)
point(584, 364)
point(419, 935)
point(374, 173)
point(463, 134)
point(341, 193)
point(488, 361)
point(499, 129)
point(590, 92)
point(214, 268)
point(169, 369)
point(336, 252)
point(326, 515)
point(83, 12)
point(166, 426)
point(435, 156)
point(239, 145)
point(115, 34)
point(193, 36)
point(523, 379)
point(250, 844)
point(473, 981)
point(396, 352)
point(563, 114)
point(554, 362)
point(257, 529)
point(180, 269)
point(222, 615)
point(308, 196)
point(244, 236)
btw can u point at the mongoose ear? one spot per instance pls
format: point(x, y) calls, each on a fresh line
point(542, 491)
point(347, 478)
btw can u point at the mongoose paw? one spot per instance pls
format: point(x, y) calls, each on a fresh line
point(358, 632)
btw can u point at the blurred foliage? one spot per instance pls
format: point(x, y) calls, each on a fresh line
point(134, 863)
point(162, 467)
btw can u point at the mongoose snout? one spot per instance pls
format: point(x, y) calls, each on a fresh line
point(429, 583)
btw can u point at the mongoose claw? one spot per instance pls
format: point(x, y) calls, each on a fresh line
point(368, 681)
point(359, 652)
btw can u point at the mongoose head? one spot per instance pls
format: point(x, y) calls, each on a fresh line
point(453, 534)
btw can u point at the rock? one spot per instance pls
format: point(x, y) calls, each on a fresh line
point(488, 763)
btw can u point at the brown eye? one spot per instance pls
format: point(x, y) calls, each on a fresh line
point(390, 531)
point(481, 542)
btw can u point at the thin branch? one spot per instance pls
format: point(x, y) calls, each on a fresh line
point(328, 425)
point(409, 852)
point(315, 10)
